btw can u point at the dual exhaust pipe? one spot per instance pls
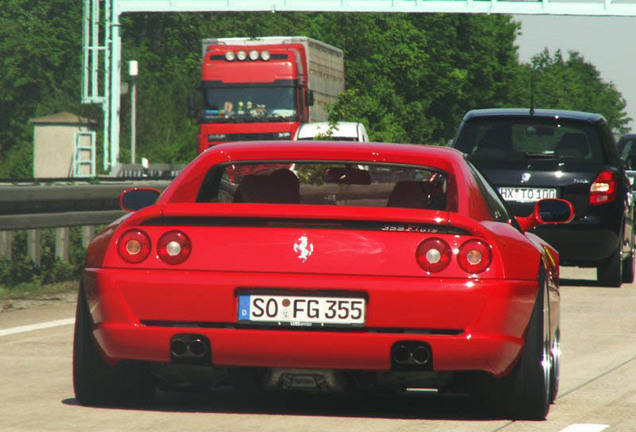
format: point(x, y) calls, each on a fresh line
point(411, 355)
point(190, 348)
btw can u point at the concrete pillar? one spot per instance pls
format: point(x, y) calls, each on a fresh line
point(34, 246)
point(6, 244)
point(62, 242)
point(88, 233)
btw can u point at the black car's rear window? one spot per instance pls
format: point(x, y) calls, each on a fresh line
point(327, 183)
point(515, 141)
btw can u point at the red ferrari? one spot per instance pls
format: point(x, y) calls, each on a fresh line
point(323, 266)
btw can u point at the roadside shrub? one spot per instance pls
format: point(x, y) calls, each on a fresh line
point(20, 269)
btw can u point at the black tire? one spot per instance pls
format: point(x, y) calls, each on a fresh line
point(609, 272)
point(128, 383)
point(525, 394)
point(555, 366)
point(529, 383)
point(628, 266)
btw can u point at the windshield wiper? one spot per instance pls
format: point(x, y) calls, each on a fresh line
point(530, 155)
point(278, 119)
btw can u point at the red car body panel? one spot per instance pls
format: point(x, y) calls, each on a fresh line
point(472, 323)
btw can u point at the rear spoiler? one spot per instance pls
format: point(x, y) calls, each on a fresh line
point(294, 215)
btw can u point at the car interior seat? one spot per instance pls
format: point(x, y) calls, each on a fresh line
point(572, 145)
point(417, 195)
point(496, 143)
point(279, 187)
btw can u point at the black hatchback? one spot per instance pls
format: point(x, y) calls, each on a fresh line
point(530, 155)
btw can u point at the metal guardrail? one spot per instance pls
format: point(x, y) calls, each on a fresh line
point(58, 206)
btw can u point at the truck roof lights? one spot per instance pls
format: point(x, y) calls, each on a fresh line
point(253, 55)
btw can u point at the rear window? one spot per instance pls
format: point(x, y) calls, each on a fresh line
point(515, 141)
point(327, 183)
point(627, 147)
point(331, 138)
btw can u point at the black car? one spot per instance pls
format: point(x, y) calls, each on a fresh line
point(529, 155)
point(627, 150)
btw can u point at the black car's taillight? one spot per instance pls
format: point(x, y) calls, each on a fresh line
point(603, 189)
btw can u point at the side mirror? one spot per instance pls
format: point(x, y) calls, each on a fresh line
point(190, 103)
point(137, 198)
point(310, 98)
point(548, 212)
point(195, 105)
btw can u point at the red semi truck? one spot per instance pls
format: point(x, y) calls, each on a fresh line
point(264, 88)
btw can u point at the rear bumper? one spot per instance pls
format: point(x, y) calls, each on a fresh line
point(585, 241)
point(469, 325)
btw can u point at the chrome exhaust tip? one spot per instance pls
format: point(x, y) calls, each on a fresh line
point(421, 355)
point(190, 348)
point(411, 355)
point(178, 348)
point(197, 348)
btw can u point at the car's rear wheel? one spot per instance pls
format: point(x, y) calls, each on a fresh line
point(95, 382)
point(610, 272)
point(526, 393)
point(628, 266)
point(530, 381)
point(555, 366)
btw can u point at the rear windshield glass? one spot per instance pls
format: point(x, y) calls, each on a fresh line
point(327, 183)
point(334, 138)
point(517, 141)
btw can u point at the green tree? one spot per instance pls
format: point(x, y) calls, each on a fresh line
point(574, 84)
point(416, 75)
point(410, 77)
point(40, 58)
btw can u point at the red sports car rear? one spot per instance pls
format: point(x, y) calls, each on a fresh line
point(322, 267)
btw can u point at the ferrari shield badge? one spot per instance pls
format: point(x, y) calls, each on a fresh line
point(303, 248)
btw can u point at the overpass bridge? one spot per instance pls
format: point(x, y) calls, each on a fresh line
point(101, 72)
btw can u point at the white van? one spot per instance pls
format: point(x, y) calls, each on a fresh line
point(342, 131)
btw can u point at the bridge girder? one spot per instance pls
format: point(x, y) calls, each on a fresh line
point(102, 39)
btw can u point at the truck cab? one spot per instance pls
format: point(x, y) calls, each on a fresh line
point(262, 89)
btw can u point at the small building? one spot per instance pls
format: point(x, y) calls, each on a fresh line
point(63, 146)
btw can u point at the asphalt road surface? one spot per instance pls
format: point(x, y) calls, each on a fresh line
point(598, 383)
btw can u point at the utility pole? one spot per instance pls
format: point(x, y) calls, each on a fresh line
point(133, 71)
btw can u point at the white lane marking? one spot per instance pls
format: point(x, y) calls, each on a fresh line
point(34, 327)
point(585, 428)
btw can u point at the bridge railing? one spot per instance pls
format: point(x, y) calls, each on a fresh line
point(33, 208)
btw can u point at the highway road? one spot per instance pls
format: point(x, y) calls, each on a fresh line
point(598, 383)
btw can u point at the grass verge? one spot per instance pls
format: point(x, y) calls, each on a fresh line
point(34, 290)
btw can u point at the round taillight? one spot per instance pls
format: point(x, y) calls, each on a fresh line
point(474, 256)
point(134, 246)
point(230, 56)
point(265, 55)
point(433, 255)
point(254, 55)
point(174, 247)
point(241, 55)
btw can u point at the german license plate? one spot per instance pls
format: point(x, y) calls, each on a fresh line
point(526, 195)
point(301, 310)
